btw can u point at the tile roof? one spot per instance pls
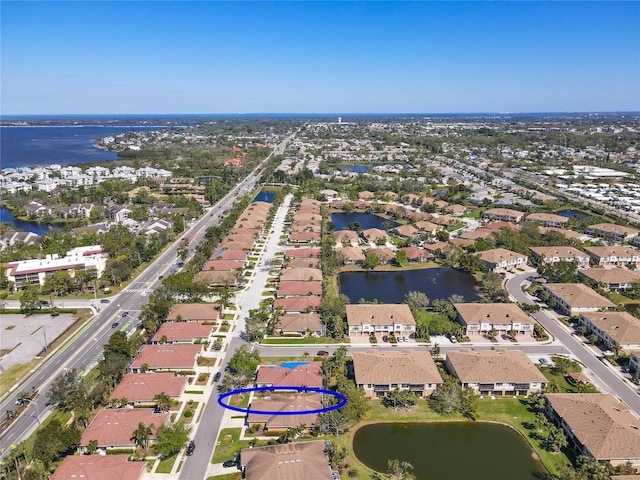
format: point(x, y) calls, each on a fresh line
point(298, 304)
point(182, 331)
point(195, 311)
point(173, 356)
point(290, 461)
point(142, 387)
point(289, 403)
point(384, 367)
point(115, 426)
point(309, 375)
point(299, 288)
point(99, 467)
point(600, 422)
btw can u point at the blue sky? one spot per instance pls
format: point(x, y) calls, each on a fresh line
point(318, 57)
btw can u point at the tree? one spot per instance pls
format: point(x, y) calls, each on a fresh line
point(397, 470)
point(371, 260)
point(171, 438)
point(450, 398)
point(142, 434)
point(400, 399)
point(64, 388)
point(243, 365)
point(556, 439)
point(401, 258)
point(53, 440)
point(29, 301)
point(560, 272)
point(91, 448)
point(416, 300)
point(163, 401)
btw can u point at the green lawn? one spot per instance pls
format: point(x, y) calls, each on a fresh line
point(564, 385)
point(228, 476)
point(229, 448)
point(166, 464)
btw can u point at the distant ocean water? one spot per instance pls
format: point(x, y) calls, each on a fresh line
point(27, 146)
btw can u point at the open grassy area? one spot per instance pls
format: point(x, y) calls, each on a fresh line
point(228, 476)
point(229, 445)
point(14, 373)
point(566, 385)
point(510, 411)
point(166, 464)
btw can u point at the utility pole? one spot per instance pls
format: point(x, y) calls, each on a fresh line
point(44, 332)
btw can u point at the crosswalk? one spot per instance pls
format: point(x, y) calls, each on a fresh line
point(143, 291)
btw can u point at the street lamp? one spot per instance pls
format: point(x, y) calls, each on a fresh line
point(37, 408)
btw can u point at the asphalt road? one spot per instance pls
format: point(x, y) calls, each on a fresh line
point(86, 346)
point(605, 377)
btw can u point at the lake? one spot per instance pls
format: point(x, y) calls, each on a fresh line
point(392, 286)
point(22, 146)
point(355, 168)
point(366, 220)
point(39, 228)
point(571, 213)
point(449, 450)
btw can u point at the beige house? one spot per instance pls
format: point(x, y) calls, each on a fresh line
point(285, 406)
point(612, 232)
point(379, 372)
point(502, 260)
point(202, 312)
point(289, 461)
point(380, 318)
point(505, 214)
point(351, 255)
point(347, 237)
point(552, 255)
point(611, 278)
point(503, 317)
point(609, 257)
point(597, 425)
point(496, 372)
point(575, 298)
point(613, 328)
point(634, 360)
point(547, 219)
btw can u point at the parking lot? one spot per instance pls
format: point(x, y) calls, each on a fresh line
point(23, 337)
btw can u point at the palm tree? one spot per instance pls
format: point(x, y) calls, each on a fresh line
point(163, 401)
point(616, 349)
point(142, 434)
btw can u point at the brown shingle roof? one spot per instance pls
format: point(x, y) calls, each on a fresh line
point(380, 314)
point(474, 313)
point(623, 327)
point(289, 403)
point(407, 366)
point(579, 295)
point(600, 422)
point(489, 366)
point(299, 322)
point(291, 461)
point(610, 275)
point(351, 254)
point(497, 255)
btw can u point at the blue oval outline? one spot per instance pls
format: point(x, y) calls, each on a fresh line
point(342, 403)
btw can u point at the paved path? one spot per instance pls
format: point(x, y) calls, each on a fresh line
point(215, 417)
point(604, 377)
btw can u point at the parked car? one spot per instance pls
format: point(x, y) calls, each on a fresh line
point(191, 447)
point(124, 314)
point(385, 338)
point(216, 377)
point(114, 324)
point(160, 277)
point(322, 353)
point(543, 361)
point(230, 463)
point(105, 300)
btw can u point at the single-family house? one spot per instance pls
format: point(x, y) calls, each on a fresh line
point(201, 312)
point(113, 428)
point(288, 461)
point(300, 323)
point(99, 467)
point(170, 357)
point(290, 374)
point(285, 406)
point(182, 332)
point(140, 388)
